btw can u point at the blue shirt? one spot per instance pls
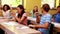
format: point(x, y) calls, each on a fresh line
point(45, 18)
point(57, 18)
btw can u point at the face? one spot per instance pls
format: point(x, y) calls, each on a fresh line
point(58, 9)
point(19, 10)
point(35, 8)
point(5, 8)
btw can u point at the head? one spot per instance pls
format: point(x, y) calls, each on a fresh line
point(20, 10)
point(35, 9)
point(45, 8)
point(6, 7)
point(58, 9)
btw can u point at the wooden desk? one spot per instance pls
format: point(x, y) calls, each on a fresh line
point(11, 27)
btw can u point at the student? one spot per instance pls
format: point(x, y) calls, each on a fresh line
point(56, 17)
point(21, 17)
point(35, 9)
point(6, 11)
point(45, 19)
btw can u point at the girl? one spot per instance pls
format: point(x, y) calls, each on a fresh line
point(21, 17)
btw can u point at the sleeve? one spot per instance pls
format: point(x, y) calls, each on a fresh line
point(25, 15)
point(48, 19)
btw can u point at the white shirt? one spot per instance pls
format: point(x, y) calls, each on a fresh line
point(6, 13)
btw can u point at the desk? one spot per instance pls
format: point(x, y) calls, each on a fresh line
point(11, 27)
point(56, 26)
point(34, 19)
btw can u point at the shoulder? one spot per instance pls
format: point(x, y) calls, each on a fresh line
point(48, 14)
point(24, 14)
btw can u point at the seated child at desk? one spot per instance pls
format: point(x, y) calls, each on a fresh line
point(45, 19)
point(6, 11)
point(21, 17)
point(56, 17)
point(35, 9)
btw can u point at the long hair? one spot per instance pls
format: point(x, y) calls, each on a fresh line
point(8, 8)
point(34, 10)
point(22, 12)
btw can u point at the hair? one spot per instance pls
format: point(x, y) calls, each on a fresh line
point(46, 7)
point(34, 10)
point(8, 8)
point(58, 7)
point(22, 12)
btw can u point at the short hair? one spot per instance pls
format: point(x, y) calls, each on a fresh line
point(58, 6)
point(8, 8)
point(46, 7)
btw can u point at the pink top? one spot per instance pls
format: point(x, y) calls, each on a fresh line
point(25, 21)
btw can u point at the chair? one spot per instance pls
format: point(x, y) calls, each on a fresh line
point(51, 28)
point(1, 31)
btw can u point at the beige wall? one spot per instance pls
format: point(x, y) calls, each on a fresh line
point(29, 4)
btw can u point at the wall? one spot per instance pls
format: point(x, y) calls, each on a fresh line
point(29, 4)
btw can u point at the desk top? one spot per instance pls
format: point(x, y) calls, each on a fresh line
point(15, 28)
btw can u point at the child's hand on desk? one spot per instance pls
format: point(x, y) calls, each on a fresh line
point(32, 26)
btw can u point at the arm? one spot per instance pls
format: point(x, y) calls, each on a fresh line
point(37, 18)
point(46, 25)
point(53, 16)
point(10, 7)
point(52, 20)
point(20, 20)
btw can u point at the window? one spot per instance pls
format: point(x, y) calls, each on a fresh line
point(14, 3)
point(57, 3)
point(50, 2)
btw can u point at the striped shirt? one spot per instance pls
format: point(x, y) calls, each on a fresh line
point(45, 18)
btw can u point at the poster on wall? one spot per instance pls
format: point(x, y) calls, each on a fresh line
point(50, 2)
point(14, 3)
